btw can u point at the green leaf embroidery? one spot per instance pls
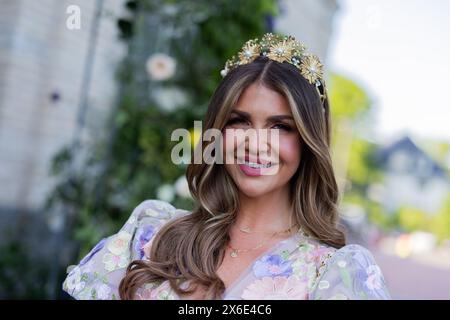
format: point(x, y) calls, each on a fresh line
point(285, 254)
point(345, 276)
point(362, 294)
point(94, 294)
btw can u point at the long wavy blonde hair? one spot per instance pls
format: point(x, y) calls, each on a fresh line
point(191, 247)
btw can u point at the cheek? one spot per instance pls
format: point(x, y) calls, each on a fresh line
point(228, 147)
point(290, 149)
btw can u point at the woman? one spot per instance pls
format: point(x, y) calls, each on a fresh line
point(264, 227)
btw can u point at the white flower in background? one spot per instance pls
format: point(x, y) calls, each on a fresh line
point(169, 98)
point(182, 188)
point(165, 192)
point(160, 66)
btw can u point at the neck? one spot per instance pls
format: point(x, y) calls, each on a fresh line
point(268, 213)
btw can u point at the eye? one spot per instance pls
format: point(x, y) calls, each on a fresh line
point(235, 120)
point(283, 127)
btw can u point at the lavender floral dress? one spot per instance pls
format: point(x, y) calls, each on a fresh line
point(295, 268)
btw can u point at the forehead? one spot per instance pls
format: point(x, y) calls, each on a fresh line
point(262, 101)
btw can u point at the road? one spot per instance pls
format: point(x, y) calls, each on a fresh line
point(410, 279)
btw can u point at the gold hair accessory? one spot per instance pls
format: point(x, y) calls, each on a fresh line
point(282, 49)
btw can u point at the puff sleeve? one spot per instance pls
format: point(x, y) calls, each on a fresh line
point(351, 273)
point(98, 274)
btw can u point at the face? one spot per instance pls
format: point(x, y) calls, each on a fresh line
point(261, 108)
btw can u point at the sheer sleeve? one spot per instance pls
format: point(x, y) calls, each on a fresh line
point(351, 273)
point(98, 274)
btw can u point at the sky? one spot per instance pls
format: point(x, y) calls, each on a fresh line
point(399, 52)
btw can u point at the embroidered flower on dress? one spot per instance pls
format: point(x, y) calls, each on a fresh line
point(113, 262)
point(339, 296)
point(318, 254)
point(324, 285)
point(277, 288)
point(103, 292)
point(162, 292)
point(145, 292)
point(304, 270)
point(272, 265)
point(119, 244)
point(342, 263)
point(118, 255)
point(74, 281)
point(145, 236)
point(374, 279)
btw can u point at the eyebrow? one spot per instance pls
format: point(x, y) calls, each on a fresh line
point(271, 118)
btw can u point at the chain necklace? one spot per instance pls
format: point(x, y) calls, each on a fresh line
point(234, 251)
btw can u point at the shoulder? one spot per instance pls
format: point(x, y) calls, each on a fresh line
point(353, 258)
point(98, 274)
point(354, 253)
point(156, 209)
point(151, 214)
point(351, 272)
point(145, 220)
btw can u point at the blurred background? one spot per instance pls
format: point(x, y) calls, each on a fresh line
point(90, 91)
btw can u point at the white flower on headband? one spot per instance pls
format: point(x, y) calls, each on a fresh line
point(160, 66)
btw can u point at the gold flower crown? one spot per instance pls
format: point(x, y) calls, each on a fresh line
point(281, 49)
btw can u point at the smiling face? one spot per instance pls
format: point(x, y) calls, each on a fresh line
point(262, 108)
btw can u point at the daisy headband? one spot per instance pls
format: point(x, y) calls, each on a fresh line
point(282, 49)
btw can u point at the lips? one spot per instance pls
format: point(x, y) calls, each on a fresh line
point(256, 160)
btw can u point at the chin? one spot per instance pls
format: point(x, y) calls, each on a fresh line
point(253, 190)
point(254, 187)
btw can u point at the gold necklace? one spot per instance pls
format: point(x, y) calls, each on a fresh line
point(248, 230)
point(234, 251)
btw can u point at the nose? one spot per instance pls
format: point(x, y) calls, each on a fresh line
point(257, 146)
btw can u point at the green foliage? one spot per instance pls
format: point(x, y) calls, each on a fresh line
point(347, 98)
point(374, 210)
point(21, 277)
point(411, 219)
point(362, 168)
point(440, 223)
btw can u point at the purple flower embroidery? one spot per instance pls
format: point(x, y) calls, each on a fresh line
point(145, 236)
point(272, 265)
point(96, 249)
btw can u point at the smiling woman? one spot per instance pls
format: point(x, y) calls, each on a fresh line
point(252, 235)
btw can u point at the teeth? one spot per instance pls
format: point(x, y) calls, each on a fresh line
point(257, 165)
